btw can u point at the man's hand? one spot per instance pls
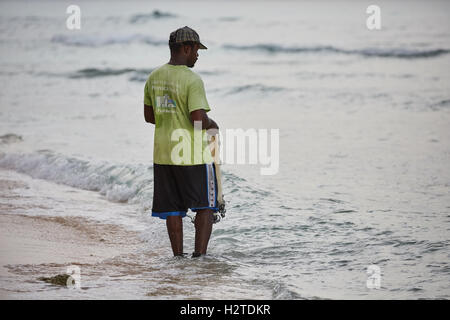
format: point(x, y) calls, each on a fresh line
point(201, 116)
point(213, 124)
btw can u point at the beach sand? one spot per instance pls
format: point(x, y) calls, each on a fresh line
point(44, 246)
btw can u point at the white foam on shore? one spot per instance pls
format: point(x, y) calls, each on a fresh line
point(118, 183)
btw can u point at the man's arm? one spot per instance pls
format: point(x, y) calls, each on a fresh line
point(201, 116)
point(148, 114)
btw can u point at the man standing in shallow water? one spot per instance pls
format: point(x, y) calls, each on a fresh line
point(175, 98)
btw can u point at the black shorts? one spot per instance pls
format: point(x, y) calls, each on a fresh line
point(179, 188)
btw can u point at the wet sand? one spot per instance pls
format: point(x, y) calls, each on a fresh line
point(36, 240)
point(35, 246)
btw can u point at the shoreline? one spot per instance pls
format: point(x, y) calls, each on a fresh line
point(34, 246)
point(55, 243)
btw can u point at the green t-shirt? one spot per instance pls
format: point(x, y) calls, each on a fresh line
point(174, 92)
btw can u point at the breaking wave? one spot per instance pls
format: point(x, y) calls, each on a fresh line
point(10, 138)
point(156, 14)
point(254, 87)
point(96, 72)
point(367, 52)
point(118, 182)
point(98, 41)
point(440, 105)
point(135, 74)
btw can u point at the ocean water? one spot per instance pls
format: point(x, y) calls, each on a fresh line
point(364, 141)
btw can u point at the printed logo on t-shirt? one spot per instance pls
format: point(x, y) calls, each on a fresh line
point(165, 104)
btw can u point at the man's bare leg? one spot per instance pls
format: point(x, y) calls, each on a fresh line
point(203, 229)
point(175, 230)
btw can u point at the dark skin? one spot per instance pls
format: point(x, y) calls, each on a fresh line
point(187, 55)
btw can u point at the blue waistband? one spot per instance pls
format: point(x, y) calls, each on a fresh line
point(164, 215)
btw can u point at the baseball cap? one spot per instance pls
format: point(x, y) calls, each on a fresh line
point(185, 34)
